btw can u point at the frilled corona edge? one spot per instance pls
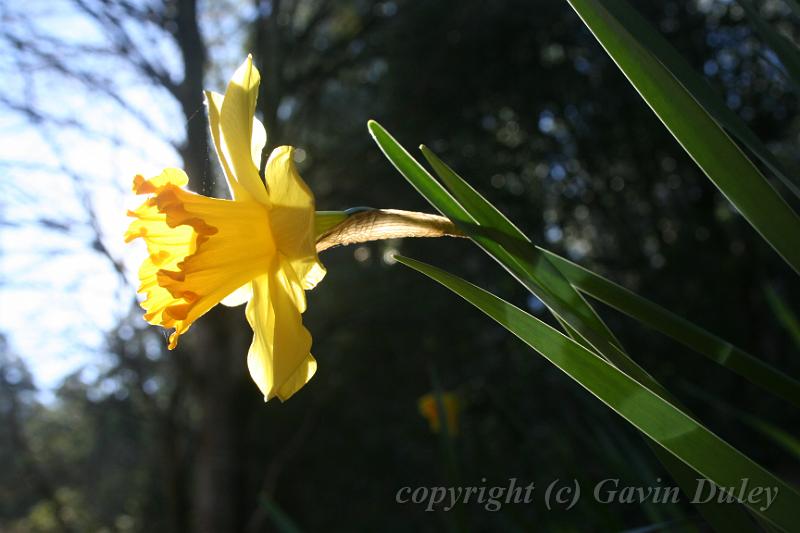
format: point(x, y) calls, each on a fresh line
point(381, 224)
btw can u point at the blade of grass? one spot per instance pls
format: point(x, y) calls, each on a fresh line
point(660, 420)
point(702, 138)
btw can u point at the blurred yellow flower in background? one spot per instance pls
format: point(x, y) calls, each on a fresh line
point(429, 408)
point(258, 247)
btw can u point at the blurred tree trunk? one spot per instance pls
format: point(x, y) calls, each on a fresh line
point(215, 376)
point(202, 466)
point(195, 151)
point(269, 59)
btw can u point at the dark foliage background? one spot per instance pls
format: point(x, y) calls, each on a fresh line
point(518, 98)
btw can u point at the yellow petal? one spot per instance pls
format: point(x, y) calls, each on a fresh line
point(166, 246)
point(239, 296)
point(214, 102)
point(258, 142)
point(201, 249)
point(236, 124)
point(234, 244)
point(279, 360)
point(292, 217)
point(168, 176)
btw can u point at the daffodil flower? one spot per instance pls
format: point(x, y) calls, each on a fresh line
point(429, 408)
point(258, 247)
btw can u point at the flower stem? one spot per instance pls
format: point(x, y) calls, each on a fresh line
point(340, 228)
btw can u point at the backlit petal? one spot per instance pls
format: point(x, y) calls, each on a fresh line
point(239, 296)
point(168, 176)
point(279, 360)
point(292, 216)
point(236, 123)
point(258, 142)
point(214, 102)
point(201, 249)
point(166, 246)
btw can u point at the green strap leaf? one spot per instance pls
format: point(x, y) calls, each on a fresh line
point(534, 272)
point(641, 309)
point(523, 264)
point(648, 36)
point(702, 138)
point(665, 424)
point(653, 315)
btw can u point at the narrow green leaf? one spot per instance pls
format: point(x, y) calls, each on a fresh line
point(703, 139)
point(472, 200)
point(516, 254)
point(502, 231)
point(534, 272)
point(620, 298)
point(653, 315)
point(660, 420)
point(722, 518)
point(649, 36)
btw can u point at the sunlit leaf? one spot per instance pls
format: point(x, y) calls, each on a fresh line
point(648, 36)
point(653, 315)
point(521, 264)
point(699, 134)
point(665, 424)
point(535, 273)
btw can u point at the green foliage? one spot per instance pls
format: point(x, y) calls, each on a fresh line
point(518, 96)
point(784, 314)
point(718, 350)
point(703, 138)
point(657, 418)
point(722, 161)
point(492, 222)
